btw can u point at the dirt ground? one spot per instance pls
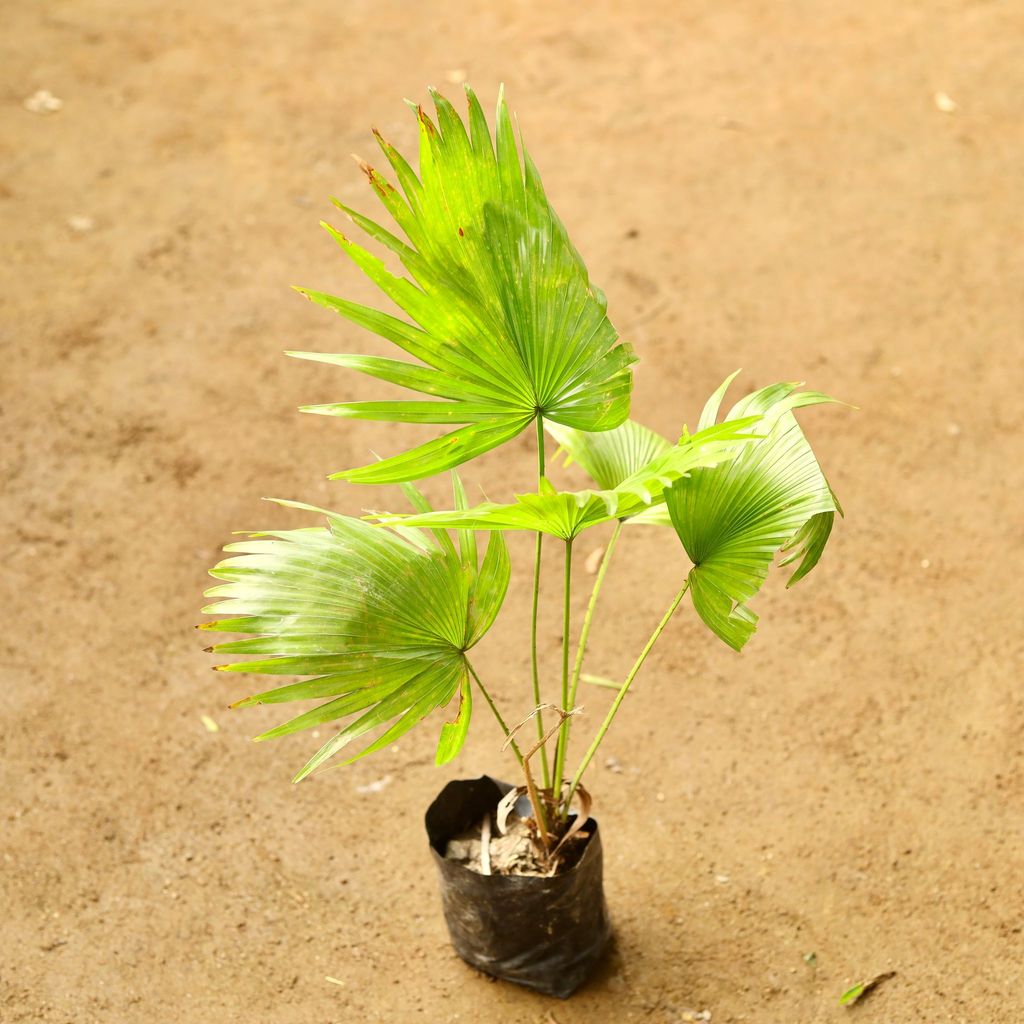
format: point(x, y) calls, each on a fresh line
point(829, 192)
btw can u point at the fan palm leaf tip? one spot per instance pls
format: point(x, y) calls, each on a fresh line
point(377, 622)
point(733, 518)
point(502, 318)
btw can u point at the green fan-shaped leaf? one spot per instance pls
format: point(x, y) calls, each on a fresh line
point(733, 518)
point(377, 621)
point(612, 456)
point(565, 514)
point(453, 733)
point(502, 318)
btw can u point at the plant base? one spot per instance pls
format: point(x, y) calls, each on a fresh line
point(547, 934)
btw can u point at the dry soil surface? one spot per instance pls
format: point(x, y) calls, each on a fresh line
point(829, 192)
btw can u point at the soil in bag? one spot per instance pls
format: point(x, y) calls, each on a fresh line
point(547, 933)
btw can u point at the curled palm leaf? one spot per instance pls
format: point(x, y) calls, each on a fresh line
point(733, 518)
point(565, 514)
point(506, 325)
point(378, 621)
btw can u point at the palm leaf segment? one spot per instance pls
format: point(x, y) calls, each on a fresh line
point(378, 621)
point(613, 456)
point(506, 325)
point(566, 514)
point(733, 518)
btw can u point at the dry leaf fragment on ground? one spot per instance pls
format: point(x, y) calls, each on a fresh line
point(859, 991)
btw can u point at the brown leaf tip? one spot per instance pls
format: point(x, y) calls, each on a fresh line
point(425, 120)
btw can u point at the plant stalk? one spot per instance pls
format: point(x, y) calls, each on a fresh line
point(534, 666)
point(536, 799)
point(566, 705)
point(566, 613)
point(497, 714)
point(623, 690)
point(588, 618)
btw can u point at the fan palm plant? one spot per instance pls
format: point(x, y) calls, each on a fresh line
point(377, 616)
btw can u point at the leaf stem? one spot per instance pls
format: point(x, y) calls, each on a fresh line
point(623, 690)
point(497, 714)
point(588, 618)
point(566, 703)
point(534, 666)
point(566, 613)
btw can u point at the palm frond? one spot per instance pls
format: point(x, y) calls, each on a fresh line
point(565, 514)
point(733, 518)
point(612, 456)
point(502, 318)
point(378, 621)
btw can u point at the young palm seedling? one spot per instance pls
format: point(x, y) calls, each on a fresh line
point(375, 618)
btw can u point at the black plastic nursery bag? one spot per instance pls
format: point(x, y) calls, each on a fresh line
point(545, 933)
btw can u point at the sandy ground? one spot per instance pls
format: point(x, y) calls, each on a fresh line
point(759, 185)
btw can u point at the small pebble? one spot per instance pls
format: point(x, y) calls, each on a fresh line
point(953, 429)
point(722, 879)
point(209, 723)
point(42, 101)
point(660, 797)
point(925, 562)
point(456, 76)
point(945, 103)
point(376, 786)
point(612, 764)
point(81, 224)
point(593, 562)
